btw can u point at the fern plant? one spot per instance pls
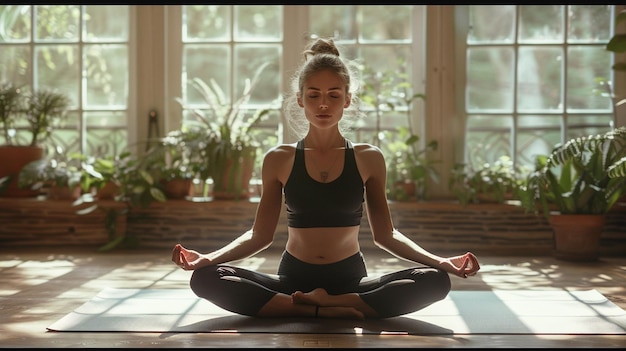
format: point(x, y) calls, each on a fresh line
point(586, 175)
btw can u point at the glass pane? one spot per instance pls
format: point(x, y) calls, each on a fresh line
point(385, 81)
point(106, 132)
point(105, 119)
point(589, 23)
point(14, 23)
point(248, 59)
point(106, 23)
point(385, 23)
point(585, 64)
point(57, 67)
point(540, 78)
point(259, 23)
point(537, 135)
point(15, 64)
point(490, 76)
point(67, 139)
point(578, 126)
point(72, 120)
point(209, 22)
point(487, 138)
point(348, 51)
point(206, 63)
point(57, 23)
point(333, 21)
point(106, 67)
point(491, 24)
point(541, 23)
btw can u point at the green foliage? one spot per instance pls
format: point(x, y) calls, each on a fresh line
point(387, 91)
point(40, 111)
point(409, 167)
point(617, 43)
point(98, 172)
point(224, 130)
point(58, 169)
point(584, 175)
point(495, 182)
point(9, 104)
point(137, 186)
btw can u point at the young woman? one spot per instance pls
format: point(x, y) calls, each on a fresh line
point(326, 180)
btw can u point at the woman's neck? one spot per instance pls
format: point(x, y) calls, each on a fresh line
point(324, 142)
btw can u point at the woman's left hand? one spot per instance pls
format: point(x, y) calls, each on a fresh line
point(464, 265)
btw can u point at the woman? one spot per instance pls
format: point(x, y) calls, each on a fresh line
point(325, 180)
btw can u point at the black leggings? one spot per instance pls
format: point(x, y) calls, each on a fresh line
point(245, 291)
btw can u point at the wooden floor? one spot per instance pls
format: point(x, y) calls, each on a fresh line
point(39, 286)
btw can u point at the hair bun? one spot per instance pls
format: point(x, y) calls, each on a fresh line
point(321, 46)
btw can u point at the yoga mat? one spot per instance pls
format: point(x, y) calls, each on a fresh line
point(461, 312)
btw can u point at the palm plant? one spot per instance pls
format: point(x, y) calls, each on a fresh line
point(227, 125)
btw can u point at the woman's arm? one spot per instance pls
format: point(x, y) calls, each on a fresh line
point(373, 168)
point(260, 236)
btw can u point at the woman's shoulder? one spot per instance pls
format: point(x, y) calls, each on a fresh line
point(370, 160)
point(367, 150)
point(280, 152)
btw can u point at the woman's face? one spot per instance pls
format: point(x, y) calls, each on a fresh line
point(323, 98)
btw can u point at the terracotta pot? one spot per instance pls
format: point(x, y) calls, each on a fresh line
point(576, 236)
point(403, 190)
point(12, 160)
point(108, 191)
point(223, 191)
point(178, 188)
point(63, 193)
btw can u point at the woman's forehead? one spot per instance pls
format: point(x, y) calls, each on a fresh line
point(324, 79)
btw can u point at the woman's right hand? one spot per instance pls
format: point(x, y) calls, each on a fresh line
point(189, 259)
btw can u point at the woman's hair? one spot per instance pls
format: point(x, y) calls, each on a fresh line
point(322, 54)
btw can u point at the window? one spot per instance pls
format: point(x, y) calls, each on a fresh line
point(383, 39)
point(81, 51)
point(531, 72)
point(227, 43)
point(524, 75)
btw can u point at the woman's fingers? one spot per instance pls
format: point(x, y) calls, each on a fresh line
point(473, 265)
point(175, 253)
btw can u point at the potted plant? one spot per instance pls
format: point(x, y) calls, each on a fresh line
point(230, 155)
point(489, 183)
point(137, 186)
point(575, 186)
point(408, 168)
point(58, 174)
point(101, 176)
point(27, 121)
point(178, 159)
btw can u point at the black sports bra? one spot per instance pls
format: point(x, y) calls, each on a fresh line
point(312, 204)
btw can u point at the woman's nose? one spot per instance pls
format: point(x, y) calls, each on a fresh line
point(323, 106)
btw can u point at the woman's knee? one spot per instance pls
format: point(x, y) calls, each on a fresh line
point(203, 280)
point(442, 281)
point(437, 282)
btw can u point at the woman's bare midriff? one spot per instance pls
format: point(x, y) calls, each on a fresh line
point(323, 245)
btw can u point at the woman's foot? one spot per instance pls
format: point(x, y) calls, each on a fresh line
point(325, 309)
point(315, 297)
